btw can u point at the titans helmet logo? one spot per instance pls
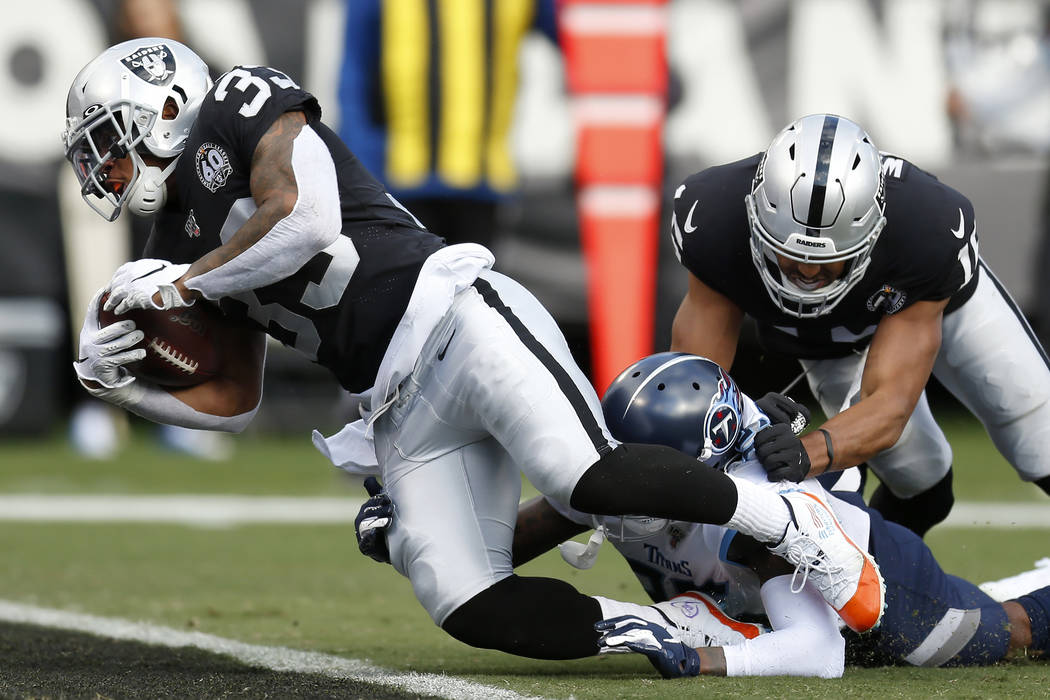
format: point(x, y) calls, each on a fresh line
point(722, 425)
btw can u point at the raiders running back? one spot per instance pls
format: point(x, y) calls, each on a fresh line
point(927, 251)
point(341, 307)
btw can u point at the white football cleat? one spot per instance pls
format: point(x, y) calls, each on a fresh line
point(1017, 585)
point(823, 554)
point(699, 622)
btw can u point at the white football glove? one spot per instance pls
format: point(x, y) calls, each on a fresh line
point(101, 367)
point(134, 284)
point(104, 352)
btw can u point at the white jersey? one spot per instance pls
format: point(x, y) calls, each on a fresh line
point(692, 557)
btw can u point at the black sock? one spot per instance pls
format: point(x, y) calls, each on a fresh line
point(654, 480)
point(541, 618)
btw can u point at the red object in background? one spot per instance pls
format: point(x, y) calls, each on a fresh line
point(616, 63)
point(619, 153)
point(614, 47)
point(622, 257)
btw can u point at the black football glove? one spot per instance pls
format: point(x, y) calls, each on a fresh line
point(781, 453)
point(672, 657)
point(372, 521)
point(783, 409)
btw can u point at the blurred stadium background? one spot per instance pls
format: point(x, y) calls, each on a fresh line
point(960, 87)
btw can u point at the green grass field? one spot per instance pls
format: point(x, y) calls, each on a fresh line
point(307, 587)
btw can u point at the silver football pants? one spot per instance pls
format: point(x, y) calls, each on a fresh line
point(495, 393)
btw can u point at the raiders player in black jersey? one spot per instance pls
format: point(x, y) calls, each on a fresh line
point(866, 269)
point(464, 378)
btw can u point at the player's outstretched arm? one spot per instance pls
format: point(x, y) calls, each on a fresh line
point(805, 640)
point(707, 324)
point(898, 366)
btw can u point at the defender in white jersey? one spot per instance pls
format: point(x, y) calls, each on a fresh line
point(931, 619)
point(711, 582)
point(464, 379)
point(865, 269)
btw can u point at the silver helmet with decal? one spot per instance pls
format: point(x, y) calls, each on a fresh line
point(138, 97)
point(817, 198)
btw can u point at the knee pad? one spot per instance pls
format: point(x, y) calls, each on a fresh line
point(920, 512)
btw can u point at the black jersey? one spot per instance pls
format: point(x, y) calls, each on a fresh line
point(341, 307)
point(927, 251)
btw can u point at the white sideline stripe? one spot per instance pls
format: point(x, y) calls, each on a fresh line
point(194, 509)
point(999, 515)
point(274, 658)
point(183, 509)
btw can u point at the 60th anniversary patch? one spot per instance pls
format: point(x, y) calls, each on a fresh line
point(213, 166)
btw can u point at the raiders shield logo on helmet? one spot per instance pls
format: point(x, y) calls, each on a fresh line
point(154, 64)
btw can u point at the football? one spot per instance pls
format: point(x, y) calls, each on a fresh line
point(181, 344)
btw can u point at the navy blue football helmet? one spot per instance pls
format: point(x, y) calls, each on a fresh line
point(679, 400)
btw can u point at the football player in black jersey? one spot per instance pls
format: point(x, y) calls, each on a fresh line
point(464, 379)
point(866, 269)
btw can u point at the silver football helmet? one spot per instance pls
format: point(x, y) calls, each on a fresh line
point(139, 96)
point(817, 197)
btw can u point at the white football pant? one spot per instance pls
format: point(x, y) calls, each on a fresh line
point(495, 392)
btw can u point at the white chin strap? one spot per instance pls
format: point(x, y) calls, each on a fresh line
point(582, 556)
point(150, 191)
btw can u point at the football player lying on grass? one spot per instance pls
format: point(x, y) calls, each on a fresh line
point(709, 575)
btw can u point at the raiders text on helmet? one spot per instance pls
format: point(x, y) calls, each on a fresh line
point(817, 198)
point(140, 96)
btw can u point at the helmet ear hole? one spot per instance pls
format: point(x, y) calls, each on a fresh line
point(171, 109)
